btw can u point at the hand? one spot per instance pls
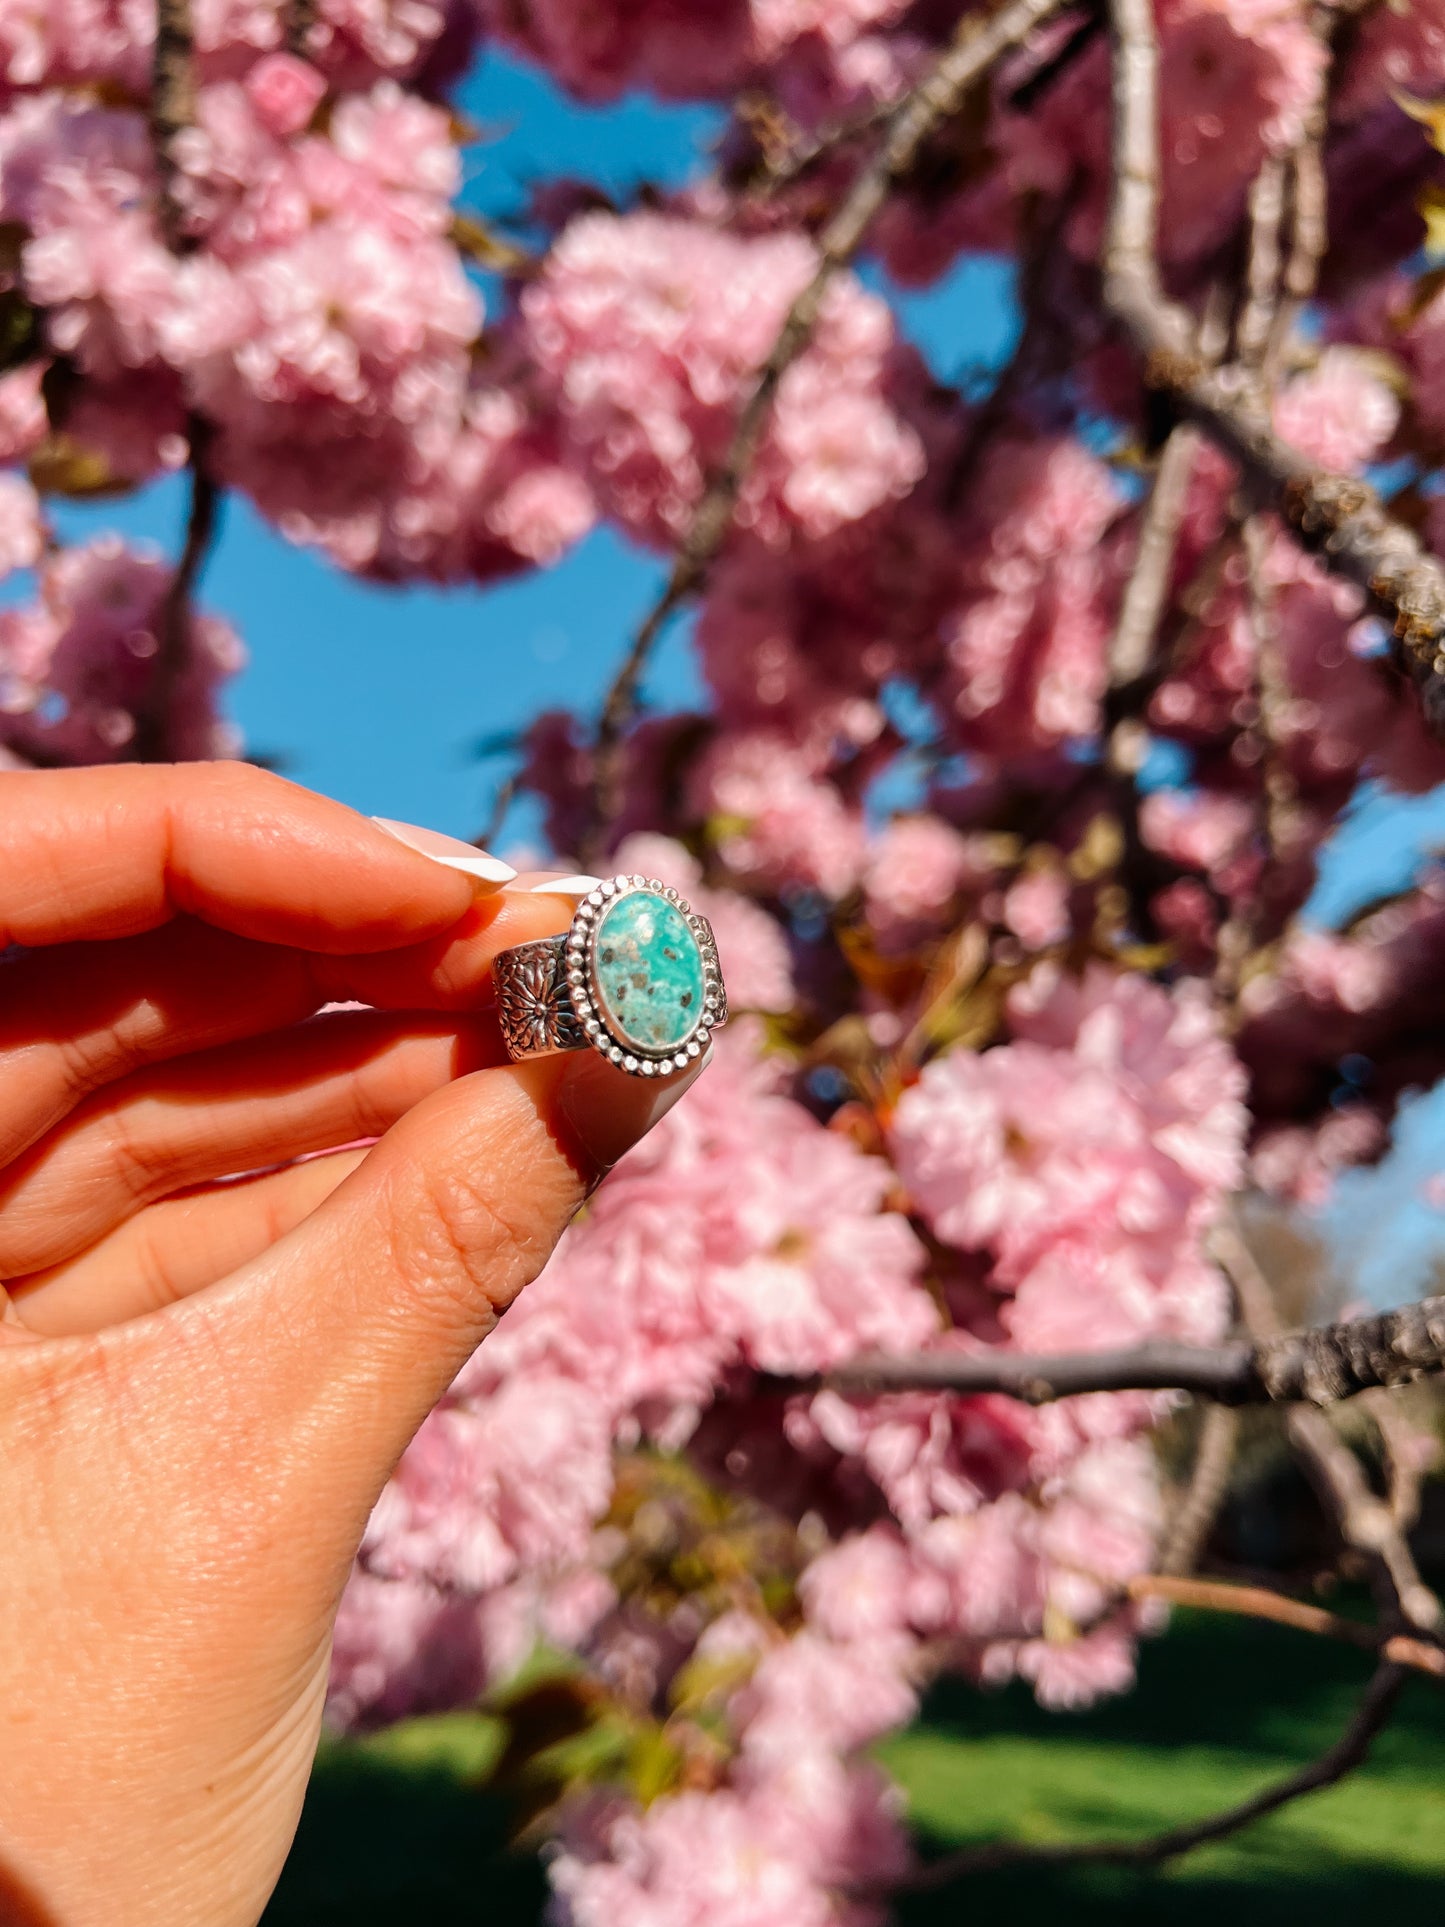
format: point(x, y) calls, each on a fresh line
point(204, 1384)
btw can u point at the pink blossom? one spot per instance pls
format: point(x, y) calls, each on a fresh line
point(773, 1855)
point(777, 821)
point(22, 533)
point(598, 51)
point(23, 421)
point(1117, 1109)
point(80, 179)
point(76, 666)
point(1301, 1162)
point(61, 42)
point(668, 47)
point(1036, 908)
point(778, 23)
point(804, 640)
point(650, 330)
point(737, 1233)
point(1338, 717)
point(1074, 1671)
point(357, 40)
point(285, 93)
point(1025, 644)
point(861, 1588)
point(1396, 50)
point(484, 1492)
point(1202, 829)
point(917, 866)
point(401, 1647)
point(1340, 412)
point(815, 1693)
point(929, 1455)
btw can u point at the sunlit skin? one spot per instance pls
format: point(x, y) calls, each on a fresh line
point(204, 1385)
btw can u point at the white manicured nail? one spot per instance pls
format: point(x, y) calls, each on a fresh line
point(575, 887)
point(483, 869)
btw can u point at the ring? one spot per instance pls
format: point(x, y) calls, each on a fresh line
point(636, 978)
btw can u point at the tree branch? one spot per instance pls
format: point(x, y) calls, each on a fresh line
point(1258, 1602)
point(173, 104)
point(1131, 649)
point(1263, 265)
point(1209, 1481)
point(978, 43)
point(152, 743)
point(300, 19)
point(1366, 1522)
point(1315, 1367)
point(1339, 518)
point(1350, 1751)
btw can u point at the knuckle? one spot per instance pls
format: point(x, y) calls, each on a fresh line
point(459, 1234)
point(141, 1166)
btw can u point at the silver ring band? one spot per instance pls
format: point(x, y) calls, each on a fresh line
point(636, 979)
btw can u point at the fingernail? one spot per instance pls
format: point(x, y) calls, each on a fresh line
point(576, 886)
point(609, 1111)
point(451, 851)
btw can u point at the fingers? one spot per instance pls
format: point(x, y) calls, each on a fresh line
point(367, 1310)
point(79, 1017)
point(240, 1108)
point(171, 1249)
point(108, 852)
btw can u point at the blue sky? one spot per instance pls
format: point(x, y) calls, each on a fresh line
point(377, 696)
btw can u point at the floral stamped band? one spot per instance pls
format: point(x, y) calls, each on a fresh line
point(636, 978)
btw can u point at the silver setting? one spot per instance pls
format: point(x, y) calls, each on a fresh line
point(548, 998)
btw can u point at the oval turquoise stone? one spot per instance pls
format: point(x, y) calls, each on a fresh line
point(648, 972)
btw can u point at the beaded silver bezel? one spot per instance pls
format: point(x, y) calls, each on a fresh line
point(580, 968)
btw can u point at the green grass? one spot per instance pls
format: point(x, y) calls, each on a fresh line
point(400, 1828)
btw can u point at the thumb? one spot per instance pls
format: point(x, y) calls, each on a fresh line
point(350, 1328)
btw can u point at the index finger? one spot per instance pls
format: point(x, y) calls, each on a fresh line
point(111, 852)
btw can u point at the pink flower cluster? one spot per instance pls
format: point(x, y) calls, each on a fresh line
point(958, 1113)
point(78, 665)
point(671, 48)
point(323, 326)
point(648, 331)
point(1024, 646)
point(107, 44)
point(733, 1236)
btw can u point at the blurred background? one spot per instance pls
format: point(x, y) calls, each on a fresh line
point(401, 702)
point(404, 703)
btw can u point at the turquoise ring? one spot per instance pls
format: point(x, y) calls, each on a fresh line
point(636, 979)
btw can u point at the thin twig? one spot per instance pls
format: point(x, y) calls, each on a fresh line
point(300, 19)
point(1279, 814)
point(979, 42)
point(1309, 224)
point(1255, 324)
point(782, 170)
point(501, 806)
point(152, 742)
point(1366, 1521)
point(172, 108)
point(1209, 1481)
point(1350, 1751)
point(1132, 647)
point(1339, 517)
point(1316, 1367)
point(1259, 1602)
point(1308, 193)
point(1405, 1466)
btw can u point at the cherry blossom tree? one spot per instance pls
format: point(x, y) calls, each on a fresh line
point(850, 1374)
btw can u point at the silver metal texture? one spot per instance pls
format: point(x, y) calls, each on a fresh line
point(549, 999)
